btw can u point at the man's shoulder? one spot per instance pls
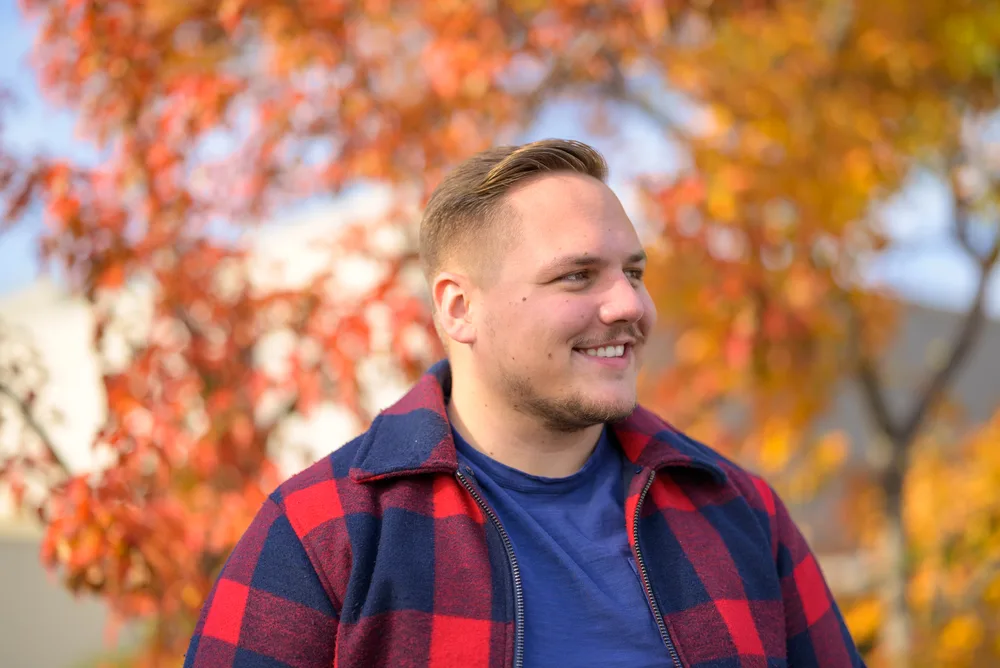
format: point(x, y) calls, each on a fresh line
point(332, 468)
point(686, 450)
point(650, 439)
point(737, 474)
point(317, 494)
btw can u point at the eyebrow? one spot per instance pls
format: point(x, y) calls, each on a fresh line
point(579, 261)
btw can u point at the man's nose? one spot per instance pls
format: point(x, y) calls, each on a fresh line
point(622, 303)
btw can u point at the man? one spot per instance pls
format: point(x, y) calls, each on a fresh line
point(516, 507)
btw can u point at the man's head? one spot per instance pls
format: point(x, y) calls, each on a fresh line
point(536, 275)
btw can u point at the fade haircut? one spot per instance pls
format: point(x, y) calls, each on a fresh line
point(468, 215)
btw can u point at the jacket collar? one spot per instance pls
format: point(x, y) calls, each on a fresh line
point(414, 437)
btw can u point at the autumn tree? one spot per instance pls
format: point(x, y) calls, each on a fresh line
point(211, 116)
point(24, 422)
point(821, 112)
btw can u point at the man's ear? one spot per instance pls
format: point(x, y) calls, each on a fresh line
point(452, 301)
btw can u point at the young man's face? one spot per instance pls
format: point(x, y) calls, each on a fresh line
point(560, 329)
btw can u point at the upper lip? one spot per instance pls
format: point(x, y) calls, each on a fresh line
point(616, 342)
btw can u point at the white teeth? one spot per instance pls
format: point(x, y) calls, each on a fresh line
point(606, 351)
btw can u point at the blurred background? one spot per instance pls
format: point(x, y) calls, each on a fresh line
point(208, 279)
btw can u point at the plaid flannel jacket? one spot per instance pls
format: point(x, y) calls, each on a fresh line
point(385, 554)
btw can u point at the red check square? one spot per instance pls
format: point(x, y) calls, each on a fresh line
point(308, 508)
point(809, 582)
point(460, 642)
point(226, 615)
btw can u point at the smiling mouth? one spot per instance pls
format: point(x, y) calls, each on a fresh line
point(615, 355)
point(609, 352)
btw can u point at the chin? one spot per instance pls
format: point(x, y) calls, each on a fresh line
point(617, 393)
point(614, 404)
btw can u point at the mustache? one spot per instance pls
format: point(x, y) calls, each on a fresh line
point(627, 331)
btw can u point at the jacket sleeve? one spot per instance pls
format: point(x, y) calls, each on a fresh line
point(268, 606)
point(815, 630)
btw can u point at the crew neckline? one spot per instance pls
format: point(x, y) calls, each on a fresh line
point(514, 479)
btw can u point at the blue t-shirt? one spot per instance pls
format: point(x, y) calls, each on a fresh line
point(584, 603)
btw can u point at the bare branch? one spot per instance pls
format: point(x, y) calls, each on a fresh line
point(874, 390)
point(872, 385)
point(617, 88)
point(989, 261)
point(961, 205)
point(903, 433)
point(963, 345)
point(962, 225)
point(29, 418)
point(625, 94)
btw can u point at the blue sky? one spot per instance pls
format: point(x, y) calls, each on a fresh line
point(927, 266)
point(31, 125)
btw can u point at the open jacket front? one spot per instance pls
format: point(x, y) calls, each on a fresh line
point(384, 553)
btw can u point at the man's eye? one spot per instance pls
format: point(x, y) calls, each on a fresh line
point(634, 274)
point(576, 276)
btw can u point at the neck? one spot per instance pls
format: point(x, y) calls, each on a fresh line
point(515, 439)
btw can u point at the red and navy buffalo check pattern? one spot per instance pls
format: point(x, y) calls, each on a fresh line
point(378, 556)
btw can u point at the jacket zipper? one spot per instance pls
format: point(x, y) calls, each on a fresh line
point(647, 586)
point(515, 571)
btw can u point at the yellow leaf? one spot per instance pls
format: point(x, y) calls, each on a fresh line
point(776, 447)
point(864, 619)
point(831, 451)
point(991, 595)
point(720, 202)
point(960, 637)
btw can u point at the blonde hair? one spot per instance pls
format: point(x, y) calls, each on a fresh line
point(467, 213)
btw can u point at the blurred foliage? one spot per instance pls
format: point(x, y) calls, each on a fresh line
point(818, 113)
point(809, 116)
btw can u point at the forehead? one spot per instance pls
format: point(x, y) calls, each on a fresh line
point(564, 214)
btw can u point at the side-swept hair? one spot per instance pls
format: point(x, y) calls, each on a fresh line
point(468, 212)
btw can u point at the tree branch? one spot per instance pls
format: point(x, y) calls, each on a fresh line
point(968, 335)
point(35, 426)
point(903, 433)
point(645, 105)
point(871, 382)
point(617, 88)
point(962, 224)
point(961, 205)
